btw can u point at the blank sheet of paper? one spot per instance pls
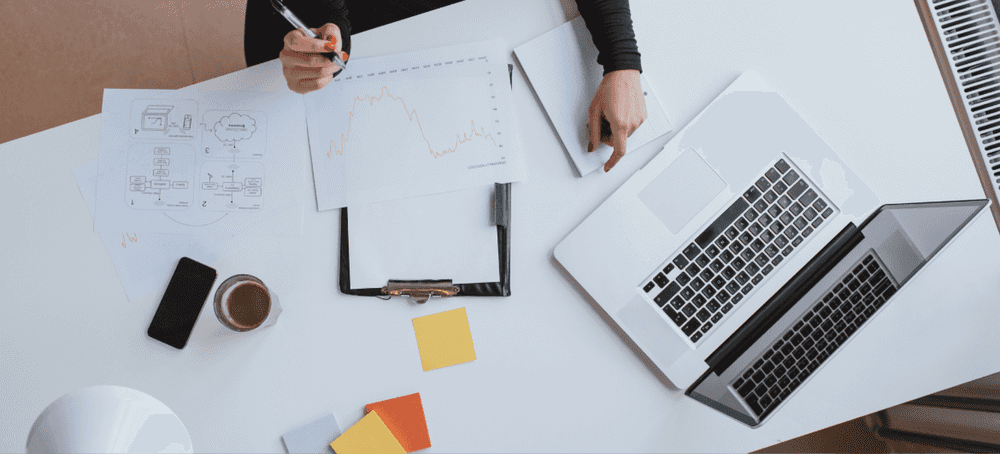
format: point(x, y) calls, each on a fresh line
point(441, 236)
point(563, 70)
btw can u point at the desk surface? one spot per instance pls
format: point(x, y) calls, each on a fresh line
point(551, 375)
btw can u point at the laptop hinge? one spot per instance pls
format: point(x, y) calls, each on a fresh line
point(784, 299)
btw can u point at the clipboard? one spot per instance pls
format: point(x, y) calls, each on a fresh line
point(419, 291)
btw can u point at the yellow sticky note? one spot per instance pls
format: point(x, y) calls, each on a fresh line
point(370, 435)
point(444, 339)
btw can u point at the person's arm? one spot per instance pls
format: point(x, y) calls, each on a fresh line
point(610, 25)
point(619, 98)
point(268, 35)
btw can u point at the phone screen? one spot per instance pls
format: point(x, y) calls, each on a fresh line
point(182, 302)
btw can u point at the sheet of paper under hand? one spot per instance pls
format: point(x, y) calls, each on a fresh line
point(563, 70)
point(404, 416)
point(444, 339)
point(440, 236)
point(368, 436)
point(314, 437)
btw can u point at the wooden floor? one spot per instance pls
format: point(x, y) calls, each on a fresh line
point(58, 56)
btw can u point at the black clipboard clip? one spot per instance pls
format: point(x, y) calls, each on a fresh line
point(420, 291)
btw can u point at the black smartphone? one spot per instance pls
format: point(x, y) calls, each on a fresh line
point(186, 294)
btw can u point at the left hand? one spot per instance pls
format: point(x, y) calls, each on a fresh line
point(618, 99)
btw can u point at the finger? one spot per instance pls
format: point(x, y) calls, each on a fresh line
point(594, 129)
point(310, 72)
point(331, 34)
point(620, 139)
point(296, 40)
point(298, 59)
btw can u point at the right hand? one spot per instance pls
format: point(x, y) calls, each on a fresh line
point(301, 60)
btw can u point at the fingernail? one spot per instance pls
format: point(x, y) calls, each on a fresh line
point(344, 56)
point(590, 147)
point(333, 40)
point(330, 47)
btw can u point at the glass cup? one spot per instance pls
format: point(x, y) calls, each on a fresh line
point(243, 303)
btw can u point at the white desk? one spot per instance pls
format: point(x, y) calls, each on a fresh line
point(551, 375)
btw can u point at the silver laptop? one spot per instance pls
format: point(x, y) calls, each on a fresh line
point(746, 252)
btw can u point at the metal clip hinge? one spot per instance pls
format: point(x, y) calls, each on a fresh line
point(420, 291)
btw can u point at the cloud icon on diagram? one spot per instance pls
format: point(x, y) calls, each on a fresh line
point(235, 127)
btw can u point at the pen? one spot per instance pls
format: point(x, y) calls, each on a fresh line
point(294, 20)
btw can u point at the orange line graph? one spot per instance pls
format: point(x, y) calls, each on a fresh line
point(460, 138)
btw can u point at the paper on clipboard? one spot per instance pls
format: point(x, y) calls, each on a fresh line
point(441, 236)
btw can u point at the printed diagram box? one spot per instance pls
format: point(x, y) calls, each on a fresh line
point(253, 182)
point(156, 183)
point(234, 134)
point(223, 188)
point(161, 119)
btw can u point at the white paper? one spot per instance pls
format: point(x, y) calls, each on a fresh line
point(414, 124)
point(440, 236)
point(563, 70)
point(145, 261)
point(201, 163)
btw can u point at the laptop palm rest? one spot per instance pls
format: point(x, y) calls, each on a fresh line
point(651, 332)
point(681, 191)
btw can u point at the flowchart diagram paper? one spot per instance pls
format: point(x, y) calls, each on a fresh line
point(201, 163)
point(414, 124)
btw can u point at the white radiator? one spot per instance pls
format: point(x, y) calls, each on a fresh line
point(970, 35)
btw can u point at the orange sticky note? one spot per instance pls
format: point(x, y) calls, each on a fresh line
point(404, 416)
point(444, 339)
point(370, 435)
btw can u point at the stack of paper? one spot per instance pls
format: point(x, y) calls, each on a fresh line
point(391, 426)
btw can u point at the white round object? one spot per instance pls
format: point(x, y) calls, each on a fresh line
point(108, 419)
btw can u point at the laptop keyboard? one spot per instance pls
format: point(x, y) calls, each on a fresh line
point(815, 336)
point(747, 242)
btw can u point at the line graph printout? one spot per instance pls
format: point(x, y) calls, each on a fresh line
point(414, 124)
point(201, 163)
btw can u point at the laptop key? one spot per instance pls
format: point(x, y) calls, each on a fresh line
point(752, 194)
point(766, 270)
point(751, 214)
point(763, 184)
point(680, 261)
point(748, 255)
point(766, 401)
point(806, 231)
point(790, 177)
point(649, 287)
point(732, 233)
point(675, 316)
point(660, 280)
point(774, 211)
point(691, 326)
point(667, 269)
point(770, 196)
point(754, 405)
point(722, 242)
point(737, 297)
point(702, 260)
point(797, 189)
point(752, 268)
point(696, 336)
point(723, 295)
point(772, 174)
point(699, 300)
point(691, 251)
point(729, 272)
point(687, 293)
point(677, 303)
point(716, 317)
point(782, 166)
point(667, 293)
point(718, 282)
point(781, 241)
point(808, 197)
point(827, 212)
point(817, 222)
point(779, 187)
point(756, 279)
point(745, 387)
point(689, 309)
point(795, 209)
point(727, 308)
point(759, 206)
point(798, 240)
point(819, 204)
point(707, 326)
point(704, 315)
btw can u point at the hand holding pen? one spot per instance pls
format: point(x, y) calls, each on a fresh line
point(309, 62)
point(304, 64)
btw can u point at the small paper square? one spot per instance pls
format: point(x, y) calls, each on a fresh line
point(444, 339)
point(404, 416)
point(368, 436)
point(314, 437)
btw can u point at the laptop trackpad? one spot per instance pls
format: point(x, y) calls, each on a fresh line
point(682, 190)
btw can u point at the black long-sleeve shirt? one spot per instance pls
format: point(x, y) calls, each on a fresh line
point(609, 22)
